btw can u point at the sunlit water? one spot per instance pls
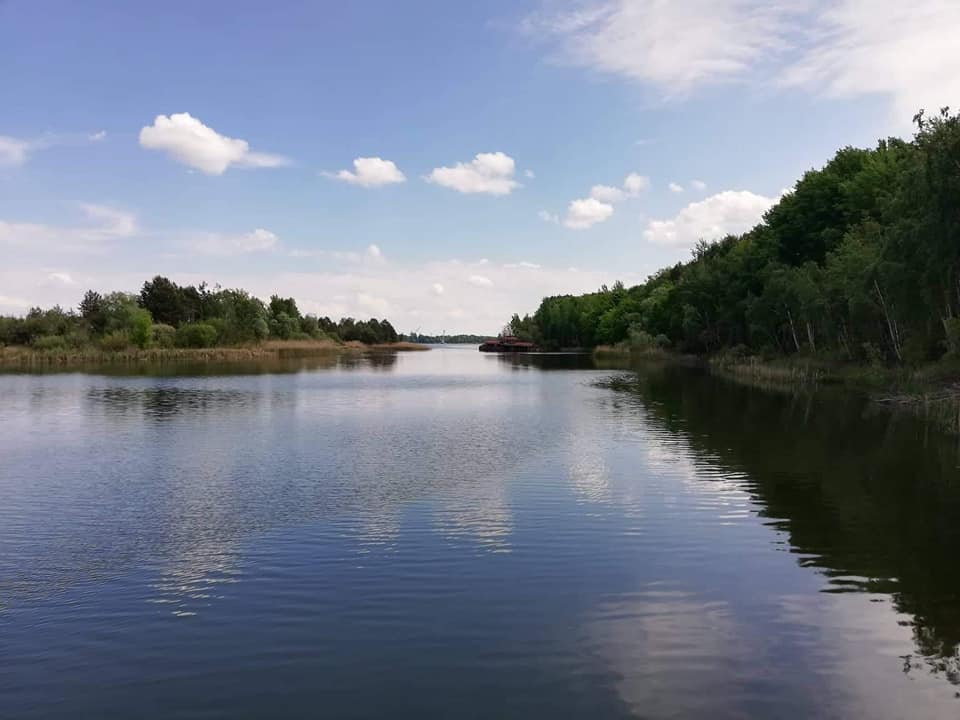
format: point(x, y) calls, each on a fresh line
point(451, 534)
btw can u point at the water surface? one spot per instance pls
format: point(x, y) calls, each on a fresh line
point(454, 534)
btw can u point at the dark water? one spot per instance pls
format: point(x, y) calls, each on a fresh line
point(451, 534)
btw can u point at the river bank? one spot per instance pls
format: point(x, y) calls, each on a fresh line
point(930, 392)
point(20, 356)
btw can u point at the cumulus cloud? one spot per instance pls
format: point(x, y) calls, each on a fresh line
point(436, 289)
point(675, 188)
point(480, 281)
point(698, 185)
point(190, 142)
point(606, 194)
point(259, 240)
point(490, 173)
point(523, 264)
point(13, 151)
point(839, 48)
point(634, 184)
point(586, 212)
point(548, 217)
point(731, 211)
point(372, 172)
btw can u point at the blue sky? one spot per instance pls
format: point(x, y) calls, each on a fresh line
point(206, 140)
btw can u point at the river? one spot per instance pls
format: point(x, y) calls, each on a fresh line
point(455, 534)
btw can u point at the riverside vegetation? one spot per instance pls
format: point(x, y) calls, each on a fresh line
point(853, 274)
point(167, 320)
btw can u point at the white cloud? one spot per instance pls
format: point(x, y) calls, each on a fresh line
point(585, 212)
point(675, 188)
point(523, 265)
point(731, 211)
point(192, 143)
point(698, 185)
point(548, 217)
point(102, 224)
point(491, 173)
point(436, 289)
point(374, 305)
point(480, 281)
point(374, 253)
point(634, 184)
point(606, 194)
point(372, 172)
point(110, 222)
point(674, 46)
point(259, 240)
point(13, 151)
point(97, 136)
point(529, 173)
point(905, 51)
point(62, 278)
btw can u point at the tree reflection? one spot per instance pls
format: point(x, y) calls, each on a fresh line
point(870, 498)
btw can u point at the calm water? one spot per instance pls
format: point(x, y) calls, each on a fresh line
point(451, 534)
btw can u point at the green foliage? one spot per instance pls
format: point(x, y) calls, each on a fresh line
point(140, 324)
point(115, 341)
point(165, 315)
point(163, 336)
point(196, 335)
point(861, 261)
point(50, 342)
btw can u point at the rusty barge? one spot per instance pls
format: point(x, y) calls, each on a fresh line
point(507, 344)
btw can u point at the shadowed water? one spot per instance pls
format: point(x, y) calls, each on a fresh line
point(454, 534)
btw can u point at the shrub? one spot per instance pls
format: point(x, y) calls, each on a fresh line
point(163, 335)
point(196, 335)
point(115, 341)
point(50, 342)
point(140, 324)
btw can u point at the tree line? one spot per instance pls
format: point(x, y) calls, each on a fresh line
point(859, 262)
point(165, 314)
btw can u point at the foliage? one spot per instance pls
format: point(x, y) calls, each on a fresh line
point(165, 315)
point(859, 262)
point(196, 335)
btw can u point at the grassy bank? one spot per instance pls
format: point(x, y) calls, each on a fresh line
point(931, 391)
point(20, 356)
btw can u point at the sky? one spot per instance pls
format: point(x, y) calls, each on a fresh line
point(441, 164)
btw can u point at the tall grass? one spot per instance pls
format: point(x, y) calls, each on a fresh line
point(18, 356)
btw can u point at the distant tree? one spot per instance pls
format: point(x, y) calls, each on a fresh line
point(164, 299)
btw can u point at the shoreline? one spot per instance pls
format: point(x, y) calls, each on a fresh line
point(25, 357)
point(930, 392)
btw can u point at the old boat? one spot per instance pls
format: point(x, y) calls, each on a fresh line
point(507, 344)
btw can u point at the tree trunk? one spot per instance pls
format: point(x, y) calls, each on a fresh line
point(810, 335)
point(793, 330)
point(891, 323)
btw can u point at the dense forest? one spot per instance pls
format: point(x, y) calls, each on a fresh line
point(458, 339)
point(859, 262)
point(165, 315)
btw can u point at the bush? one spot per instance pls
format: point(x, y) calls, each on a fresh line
point(50, 342)
point(196, 335)
point(163, 335)
point(115, 341)
point(140, 324)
